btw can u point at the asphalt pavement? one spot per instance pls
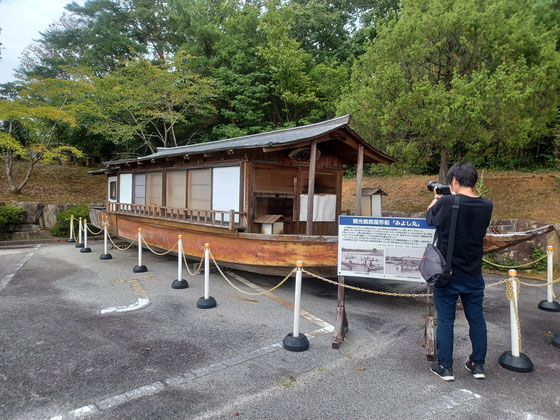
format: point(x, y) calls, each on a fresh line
point(85, 338)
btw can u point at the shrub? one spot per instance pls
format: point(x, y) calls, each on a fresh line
point(10, 215)
point(62, 226)
point(535, 255)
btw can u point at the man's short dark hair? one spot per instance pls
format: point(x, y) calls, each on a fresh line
point(465, 174)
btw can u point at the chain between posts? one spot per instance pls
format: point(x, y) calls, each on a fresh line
point(360, 289)
point(92, 232)
point(155, 252)
point(198, 270)
point(251, 293)
point(510, 296)
point(515, 266)
point(117, 247)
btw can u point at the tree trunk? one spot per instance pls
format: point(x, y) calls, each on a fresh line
point(8, 159)
point(27, 176)
point(14, 188)
point(443, 166)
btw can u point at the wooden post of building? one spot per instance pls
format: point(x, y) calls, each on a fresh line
point(311, 188)
point(359, 176)
point(429, 332)
point(341, 327)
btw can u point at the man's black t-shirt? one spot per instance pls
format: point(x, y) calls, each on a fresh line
point(472, 221)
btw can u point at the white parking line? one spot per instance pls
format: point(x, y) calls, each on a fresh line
point(8, 277)
point(444, 402)
point(283, 302)
point(156, 387)
point(141, 302)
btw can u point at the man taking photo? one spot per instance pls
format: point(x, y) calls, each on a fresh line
point(467, 282)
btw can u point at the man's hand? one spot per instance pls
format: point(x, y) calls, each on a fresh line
point(436, 198)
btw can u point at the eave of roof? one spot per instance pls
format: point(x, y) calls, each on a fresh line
point(285, 137)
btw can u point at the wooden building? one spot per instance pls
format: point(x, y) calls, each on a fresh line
point(262, 201)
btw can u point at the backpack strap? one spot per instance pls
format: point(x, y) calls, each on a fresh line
point(452, 228)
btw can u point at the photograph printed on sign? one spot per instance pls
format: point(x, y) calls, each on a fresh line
point(363, 260)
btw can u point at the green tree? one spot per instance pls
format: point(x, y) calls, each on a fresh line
point(142, 102)
point(447, 79)
point(30, 124)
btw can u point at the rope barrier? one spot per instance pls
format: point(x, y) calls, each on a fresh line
point(511, 297)
point(155, 252)
point(514, 266)
point(92, 232)
point(198, 270)
point(117, 247)
point(251, 293)
point(360, 289)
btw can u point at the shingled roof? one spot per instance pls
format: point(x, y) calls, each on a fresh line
point(271, 139)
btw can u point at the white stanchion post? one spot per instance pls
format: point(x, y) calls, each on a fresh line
point(549, 304)
point(105, 255)
point(514, 360)
point(85, 247)
point(71, 238)
point(180, 283)
point(206, 270)
point(140, 268)
point(79, 244)
point(295, 341)
point(512, 317)
point(207, 301)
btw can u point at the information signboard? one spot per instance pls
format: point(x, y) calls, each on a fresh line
point(382, 247)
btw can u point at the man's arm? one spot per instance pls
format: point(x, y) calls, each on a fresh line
point(431, 215)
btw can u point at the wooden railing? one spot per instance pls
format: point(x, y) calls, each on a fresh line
point(218, 218)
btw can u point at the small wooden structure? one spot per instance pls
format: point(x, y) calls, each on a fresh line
point(224, 192)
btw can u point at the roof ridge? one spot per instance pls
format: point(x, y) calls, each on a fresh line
point(163, 149)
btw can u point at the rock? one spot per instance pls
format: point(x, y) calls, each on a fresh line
point(394, 214)
point(48, 217)
point(25, 236)
point(33, 210)
point(25, 227)
point(418, 215)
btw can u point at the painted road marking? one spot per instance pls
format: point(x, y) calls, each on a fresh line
point(156, 387)
point(142, 299)
point(284, 302)
point(444, 402)
point(8, 277)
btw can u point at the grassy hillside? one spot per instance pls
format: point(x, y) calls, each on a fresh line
point(523, 195)
point(55, 183)
point(515, 194)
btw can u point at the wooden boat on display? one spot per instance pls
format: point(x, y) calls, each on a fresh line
point(261, 201)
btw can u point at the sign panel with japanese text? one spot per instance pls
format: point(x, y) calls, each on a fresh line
point(382, 247)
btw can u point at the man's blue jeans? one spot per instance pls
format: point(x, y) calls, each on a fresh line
point(471, 291)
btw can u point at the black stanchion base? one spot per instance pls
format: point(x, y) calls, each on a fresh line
point(292, 343)
point(84, 250)
point(206, 303)
point(556, 340)
point(70, 241)
point(521, 364)
point(139, 269)
point(179, 284)
point(105, 257)
point(553, 306)
point(79, 245)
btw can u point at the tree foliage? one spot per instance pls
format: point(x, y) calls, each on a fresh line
point(30, 123)
point(430, 81)
point(446, 80)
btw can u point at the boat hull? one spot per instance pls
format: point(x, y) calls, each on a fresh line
point(264, 254)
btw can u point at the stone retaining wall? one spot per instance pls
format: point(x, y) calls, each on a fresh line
point(37, 221)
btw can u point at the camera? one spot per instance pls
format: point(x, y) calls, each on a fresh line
point(440, 188)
